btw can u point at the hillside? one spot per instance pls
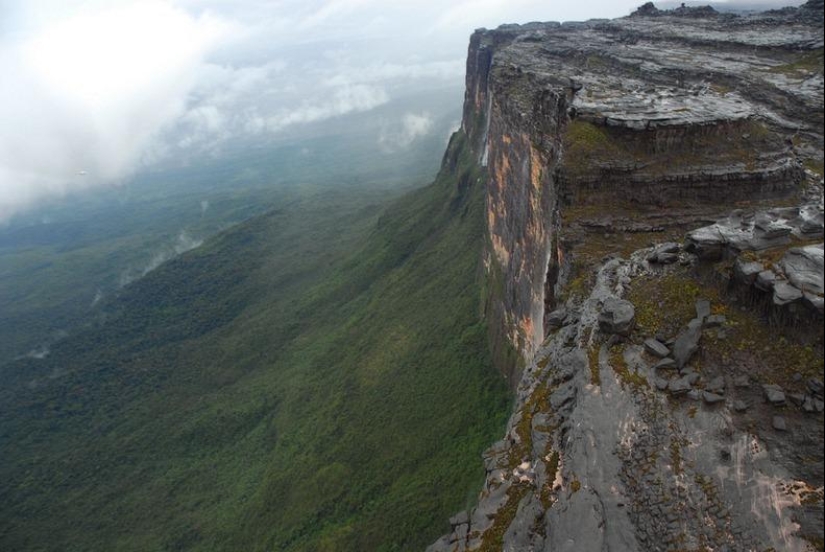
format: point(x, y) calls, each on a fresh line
point(313, 379)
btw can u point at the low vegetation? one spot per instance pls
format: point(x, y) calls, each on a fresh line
point(771, 353)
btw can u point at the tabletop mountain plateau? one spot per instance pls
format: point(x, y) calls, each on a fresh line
point(625, 238)
point(654, 243)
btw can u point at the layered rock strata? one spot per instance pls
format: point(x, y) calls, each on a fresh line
point(686, 112)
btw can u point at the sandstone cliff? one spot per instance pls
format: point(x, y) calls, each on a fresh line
point(665, 401)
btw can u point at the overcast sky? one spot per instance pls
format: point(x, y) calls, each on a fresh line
point(93, 90)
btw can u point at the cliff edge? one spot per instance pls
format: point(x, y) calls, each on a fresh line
point(654, 265)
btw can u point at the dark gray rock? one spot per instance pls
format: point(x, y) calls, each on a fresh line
point(712, 398)
point(769, 232)
point(784, 293)
point(656, 348)
point(765, 280)
point(796, 398)
point(665, 364)
point(661, 384)
point(803, 267)
point(716, 385)
point(715, 320)
point(779, 424)
point(679, 386)
point(666, 253)
point(774, 394)
point(617, 317)
point(812, 222)
point(740, 406)
point(745, 272)
point(742, 381)
point(687, 343)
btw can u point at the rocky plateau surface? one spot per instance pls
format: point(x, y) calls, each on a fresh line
point(655, 273)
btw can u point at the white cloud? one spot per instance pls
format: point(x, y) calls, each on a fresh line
point(404, 132)
point(82, 98)
point(347, 99)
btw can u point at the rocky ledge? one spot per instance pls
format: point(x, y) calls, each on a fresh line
point(660, 414)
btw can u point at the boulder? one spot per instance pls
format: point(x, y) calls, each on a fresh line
point(707, 243)
point(784, 293)
point(665, 364)
point(678, 386)
point(765, 280)
point(687, 343)
point(779, 424)
point(774, 394)
point(769, 230)
point(712, 398)
point(803, 267)
point(656, 348)
point(666, 253)
point(617, 317)
point(740, 406)
point(745, 272)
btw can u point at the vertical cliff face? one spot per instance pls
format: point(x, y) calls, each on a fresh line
point(689, 112)
point(669, 395)
point(518, 138)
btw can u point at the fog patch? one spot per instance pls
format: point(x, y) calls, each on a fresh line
point(183, 243)
point(346, 99)
point(402, 134)
point(38, 353)
point(98, 297)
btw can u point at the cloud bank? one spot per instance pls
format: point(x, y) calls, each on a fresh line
point(82, 98)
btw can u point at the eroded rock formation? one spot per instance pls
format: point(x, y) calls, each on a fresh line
point(654, 210)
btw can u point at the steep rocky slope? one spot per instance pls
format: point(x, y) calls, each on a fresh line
point(654, 253)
